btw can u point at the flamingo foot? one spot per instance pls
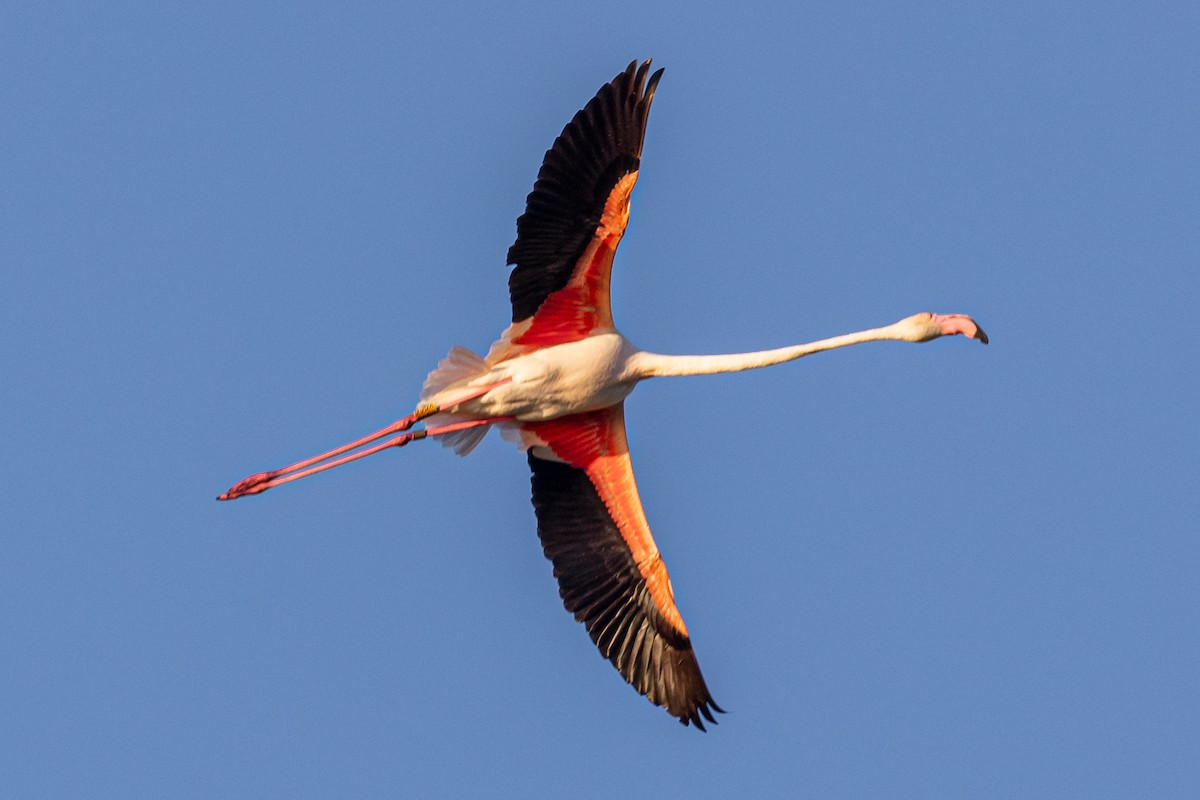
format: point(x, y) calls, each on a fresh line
point(256, 483)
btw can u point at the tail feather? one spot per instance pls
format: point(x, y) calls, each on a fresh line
point(459, 364)
point(461, 442)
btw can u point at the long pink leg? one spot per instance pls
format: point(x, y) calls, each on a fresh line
point(259, 486)
point(261, 481)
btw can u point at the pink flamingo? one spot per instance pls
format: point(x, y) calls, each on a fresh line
point(555, 382)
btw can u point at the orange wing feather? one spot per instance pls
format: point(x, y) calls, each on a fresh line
point(582, 307)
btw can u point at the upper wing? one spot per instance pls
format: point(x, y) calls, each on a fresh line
point(610, 573)
point(576, 214)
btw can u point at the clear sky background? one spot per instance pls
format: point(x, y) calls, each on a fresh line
point(232, 236)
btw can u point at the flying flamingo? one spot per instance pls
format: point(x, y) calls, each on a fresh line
point(555, 383)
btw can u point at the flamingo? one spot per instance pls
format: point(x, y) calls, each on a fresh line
point(555, 383)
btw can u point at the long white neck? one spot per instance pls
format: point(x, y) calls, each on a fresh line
point(654, 365)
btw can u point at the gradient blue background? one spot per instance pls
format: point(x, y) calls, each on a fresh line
point(233, 236)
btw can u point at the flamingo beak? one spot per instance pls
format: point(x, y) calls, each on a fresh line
point(950, 324)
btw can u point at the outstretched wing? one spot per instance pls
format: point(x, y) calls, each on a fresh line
point(609, 571)
point(576, 214)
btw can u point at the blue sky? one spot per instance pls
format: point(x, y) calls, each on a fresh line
point(233, 236)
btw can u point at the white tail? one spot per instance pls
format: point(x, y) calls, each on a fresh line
point(459, 364)
point(461, 442)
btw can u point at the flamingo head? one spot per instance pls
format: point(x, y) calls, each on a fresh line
point(925, 326)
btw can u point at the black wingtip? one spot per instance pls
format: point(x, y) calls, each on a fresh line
point(704, 707)
point(641, 87)
point(652, 84)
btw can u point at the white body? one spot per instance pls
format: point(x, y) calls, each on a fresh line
point(552, 382)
